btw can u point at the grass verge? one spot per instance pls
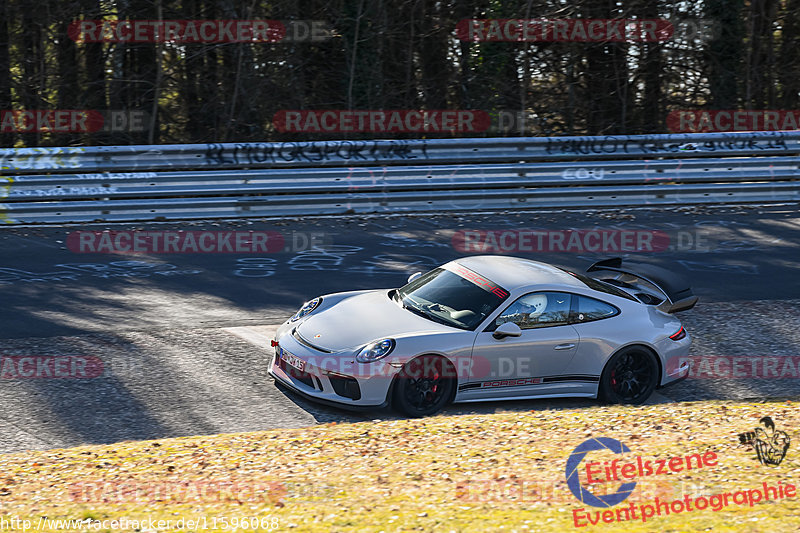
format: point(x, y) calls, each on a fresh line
point(504, 471)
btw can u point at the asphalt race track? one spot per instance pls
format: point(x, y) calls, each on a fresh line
point(177, 344)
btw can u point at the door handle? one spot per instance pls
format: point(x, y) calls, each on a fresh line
point(564, 346)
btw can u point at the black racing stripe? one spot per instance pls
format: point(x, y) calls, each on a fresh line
point(549, 379)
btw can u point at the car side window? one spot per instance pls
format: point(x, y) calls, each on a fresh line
point(537, 310)
point(590, 309)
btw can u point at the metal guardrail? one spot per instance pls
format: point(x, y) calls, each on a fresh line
point(389, 152)
point(133, 183)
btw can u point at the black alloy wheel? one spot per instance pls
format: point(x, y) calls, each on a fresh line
point(630, 376)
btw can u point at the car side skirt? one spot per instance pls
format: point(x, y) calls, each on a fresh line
point(529, 397)
point(495, 384)
point(576, 386)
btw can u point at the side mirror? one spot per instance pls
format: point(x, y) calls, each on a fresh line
point(508, 329)
point(414, 276)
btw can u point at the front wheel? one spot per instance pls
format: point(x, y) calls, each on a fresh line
point(630, 376)
point(424, 386)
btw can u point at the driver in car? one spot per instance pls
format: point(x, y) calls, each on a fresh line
point(526, 311)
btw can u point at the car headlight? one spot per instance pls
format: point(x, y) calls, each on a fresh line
point(375, 350)
point(307, 308)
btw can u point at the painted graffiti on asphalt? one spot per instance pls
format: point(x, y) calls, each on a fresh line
point(403, 241)
point(332, 258)
point(113, 269)
point(719, 267)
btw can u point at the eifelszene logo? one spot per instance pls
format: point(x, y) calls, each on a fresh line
point(635, 468)
point(771, 446)
point(620, 470)
point(574, 482)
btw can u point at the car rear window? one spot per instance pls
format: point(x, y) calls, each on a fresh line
point(590, 309)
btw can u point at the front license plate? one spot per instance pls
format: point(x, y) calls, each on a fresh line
point(293, 360)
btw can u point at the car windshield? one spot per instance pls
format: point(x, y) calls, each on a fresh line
point(460, 300)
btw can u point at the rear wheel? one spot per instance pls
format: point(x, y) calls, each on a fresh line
point(630, 376)
point(424, 386)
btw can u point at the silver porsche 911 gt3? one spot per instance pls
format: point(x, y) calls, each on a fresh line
point(490, 328)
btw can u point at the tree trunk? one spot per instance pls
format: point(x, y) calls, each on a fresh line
point(6, 138)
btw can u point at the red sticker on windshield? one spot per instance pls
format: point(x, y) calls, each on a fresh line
point(482, 282)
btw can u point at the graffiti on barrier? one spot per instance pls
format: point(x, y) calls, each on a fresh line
point(40, 158)
point(654, 144)
point(255, 153)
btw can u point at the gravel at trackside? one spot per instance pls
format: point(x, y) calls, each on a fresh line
point(735, 329)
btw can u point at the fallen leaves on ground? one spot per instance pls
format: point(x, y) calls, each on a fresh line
point(445, 473)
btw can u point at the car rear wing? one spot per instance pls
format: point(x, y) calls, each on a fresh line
point(676, 290)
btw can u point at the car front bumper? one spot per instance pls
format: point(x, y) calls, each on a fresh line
point(331, 378)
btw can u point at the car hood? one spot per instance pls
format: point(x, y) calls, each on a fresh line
point(361, 319)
